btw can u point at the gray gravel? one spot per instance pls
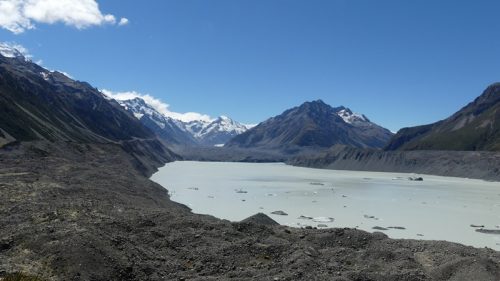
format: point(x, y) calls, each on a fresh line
point(84, 212)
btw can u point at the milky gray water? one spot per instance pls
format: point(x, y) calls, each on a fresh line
point(438, 208)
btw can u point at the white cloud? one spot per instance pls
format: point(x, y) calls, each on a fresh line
point(123, 21)
point(157, 104)
point(11, 50)
point(20, 15)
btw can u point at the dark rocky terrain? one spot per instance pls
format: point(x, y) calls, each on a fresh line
point(313, 124)
point(36, 104)
point(465, 164)
point(474, 127)
point(74, 211)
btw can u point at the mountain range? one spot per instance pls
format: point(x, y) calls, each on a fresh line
point(314, 124)
point(38, 104)
point(41, 105)
point(196, 132)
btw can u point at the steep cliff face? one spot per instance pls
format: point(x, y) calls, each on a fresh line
point(474, 127)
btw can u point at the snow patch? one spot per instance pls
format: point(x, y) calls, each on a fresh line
point(45, 76)
point(349, 117)
point(138, 115)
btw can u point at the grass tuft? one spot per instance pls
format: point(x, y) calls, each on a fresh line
point(20, 277)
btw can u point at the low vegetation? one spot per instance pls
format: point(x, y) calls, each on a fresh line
point(20, 277)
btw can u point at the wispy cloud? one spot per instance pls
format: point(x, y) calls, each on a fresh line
point(10, 49)
point(18, 16)
point(123, 21)
point(157, 104)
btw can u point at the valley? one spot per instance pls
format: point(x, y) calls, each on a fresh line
point(78, 202)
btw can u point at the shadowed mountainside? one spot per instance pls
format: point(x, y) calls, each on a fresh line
point(474, 127)
point(469, 164)
point(313, 124)
point(37, 104)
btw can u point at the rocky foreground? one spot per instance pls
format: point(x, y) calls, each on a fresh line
point(88, 212)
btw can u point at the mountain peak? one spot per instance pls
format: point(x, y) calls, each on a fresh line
point(224, 118)
point(491, 95)
point(314, 124)
point(318, 102)
point(11, 51)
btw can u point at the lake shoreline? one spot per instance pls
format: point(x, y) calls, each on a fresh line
point(316, 190)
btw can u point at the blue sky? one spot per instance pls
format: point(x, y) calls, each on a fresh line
point(401, 63)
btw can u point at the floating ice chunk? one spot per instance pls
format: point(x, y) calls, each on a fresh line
point(279, 213)
point(302, 217)
point(323, 219)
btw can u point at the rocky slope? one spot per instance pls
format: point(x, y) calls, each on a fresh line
point(313, 124)
point(38, 104)
point(470, 164)
point(187, 133)
point(474, 127)
point(83, 212)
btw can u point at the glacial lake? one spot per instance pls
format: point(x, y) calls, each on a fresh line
point(437, 208)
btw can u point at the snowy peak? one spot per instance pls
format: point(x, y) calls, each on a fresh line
point(215, 132)
point(224, 124)
point(313, 124)
point(164, 126)
point(202, 132)
point(9, 51)
point(350, 117)
point(139, 108)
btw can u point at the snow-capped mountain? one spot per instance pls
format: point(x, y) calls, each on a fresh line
point(314, 124)
point(197, 132)
point(220, 131)
point(165, 127)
